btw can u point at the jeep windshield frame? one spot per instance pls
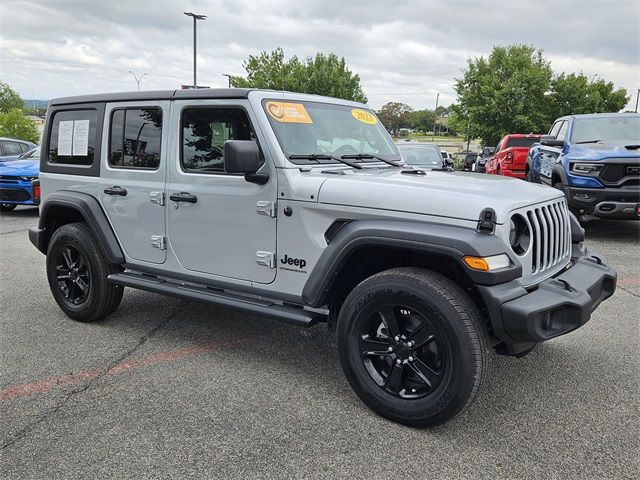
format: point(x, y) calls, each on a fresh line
point(310, 131)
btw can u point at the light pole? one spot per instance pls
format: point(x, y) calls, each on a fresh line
point(195, 19)
point(435, 118)
point(229, 77)
point(138, 80)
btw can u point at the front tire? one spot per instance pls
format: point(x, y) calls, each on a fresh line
point(413, 346)
point(77, 271)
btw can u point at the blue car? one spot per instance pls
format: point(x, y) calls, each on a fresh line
point(595, 160)
point(16, 174)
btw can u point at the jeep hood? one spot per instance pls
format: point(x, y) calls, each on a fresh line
point(444, 194)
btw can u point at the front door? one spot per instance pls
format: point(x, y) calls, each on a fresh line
point(219, 223)
point(133, 177)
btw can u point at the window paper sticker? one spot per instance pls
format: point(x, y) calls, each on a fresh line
point(80, 138)
point(364, 116)
point(288, 112)
point(65, 138)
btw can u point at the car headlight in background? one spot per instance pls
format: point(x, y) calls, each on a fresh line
point(580, 168)
point(519, 234)
point(27, 179)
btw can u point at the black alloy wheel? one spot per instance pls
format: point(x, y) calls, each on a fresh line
point(74, 278)
point(402, 350)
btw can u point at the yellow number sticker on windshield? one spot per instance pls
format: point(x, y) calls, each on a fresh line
point(288, 112)
point(364, 116)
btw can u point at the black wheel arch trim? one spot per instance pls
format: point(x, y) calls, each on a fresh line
point(90, 210)
point(449, 241)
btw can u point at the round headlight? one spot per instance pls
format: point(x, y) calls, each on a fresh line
point(519, 235)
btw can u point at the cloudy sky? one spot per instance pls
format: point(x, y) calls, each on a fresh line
point(403, 50)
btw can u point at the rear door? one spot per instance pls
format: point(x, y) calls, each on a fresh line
point(132, 179)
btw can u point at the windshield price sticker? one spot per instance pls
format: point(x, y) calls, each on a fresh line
point(364, 116)
point(288, 112)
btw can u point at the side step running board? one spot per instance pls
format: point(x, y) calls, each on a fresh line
point(265, 308)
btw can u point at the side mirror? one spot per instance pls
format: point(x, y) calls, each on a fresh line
point(551, 142)
point(243, 156)
point(448, 161)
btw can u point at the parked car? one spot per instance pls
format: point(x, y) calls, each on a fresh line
point(227, 196)
point(12, 148)
point(447, 156)
point(595, 160)
point(485, 153)
point(510, 156)
point(427, 156)
point(16, 176)
point(469, 161)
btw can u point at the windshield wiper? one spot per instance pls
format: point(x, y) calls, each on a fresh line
point(362, 156)
point(324, 156)
point(588, 141)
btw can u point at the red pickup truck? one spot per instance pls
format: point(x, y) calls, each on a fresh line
point(510, 156)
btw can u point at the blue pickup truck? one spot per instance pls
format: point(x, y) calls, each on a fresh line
point(595, 160)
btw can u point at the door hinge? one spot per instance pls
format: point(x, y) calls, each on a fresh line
point(268, 259)
point(159, 241)
point(264, 207)
point(157, 198)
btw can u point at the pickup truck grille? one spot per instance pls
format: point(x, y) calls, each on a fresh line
point(620, 174)
point(550, 235)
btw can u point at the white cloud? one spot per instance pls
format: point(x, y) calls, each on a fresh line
point(404, 50)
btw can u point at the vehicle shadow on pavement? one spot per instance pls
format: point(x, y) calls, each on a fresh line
point(624, 230)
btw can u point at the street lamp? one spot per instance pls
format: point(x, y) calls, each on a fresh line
point(138, 80)
point(195, 19)
point(229, 77)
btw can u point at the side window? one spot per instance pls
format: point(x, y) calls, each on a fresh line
point(563, 131)
point(554, 130)
point(135, 138)
point(11, 148)
point(204, 131)
point(73, 138)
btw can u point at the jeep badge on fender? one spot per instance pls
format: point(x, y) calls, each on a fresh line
point(418, 286)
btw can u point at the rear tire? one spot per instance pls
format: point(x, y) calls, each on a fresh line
point(7, 207)
point(413, 346)
point(77, 271)
point(528, 177)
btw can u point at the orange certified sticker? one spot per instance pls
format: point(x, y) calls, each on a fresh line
point(364, 116)
point(288, 112)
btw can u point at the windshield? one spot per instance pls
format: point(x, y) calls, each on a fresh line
point(308, 128)
point(33, 154)
point(423, 155)
point(623, 127)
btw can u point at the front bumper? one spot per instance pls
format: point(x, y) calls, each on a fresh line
point(16, 192)
point(616, 203)
point(521, 318)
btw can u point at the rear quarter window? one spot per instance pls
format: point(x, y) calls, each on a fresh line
point(522, 142)
point(73, 138)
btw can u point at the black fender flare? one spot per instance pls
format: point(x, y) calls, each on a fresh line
point(450, 241)
point(558, 169)
point(90, 210)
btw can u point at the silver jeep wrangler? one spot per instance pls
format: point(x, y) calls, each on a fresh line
point(297, 207)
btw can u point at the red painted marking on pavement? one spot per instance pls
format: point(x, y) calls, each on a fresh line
point(627, 282)
point(41, 386)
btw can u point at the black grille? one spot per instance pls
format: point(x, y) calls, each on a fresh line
point(14, 194)
point(614, 172)
point(8, 179)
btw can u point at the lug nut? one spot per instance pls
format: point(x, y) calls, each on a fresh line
point(390, 349)
point(398, 362)
point(411, 359)
point(397, 339)
point(410, 344)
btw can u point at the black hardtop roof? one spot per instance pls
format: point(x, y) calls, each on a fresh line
point(154, 95)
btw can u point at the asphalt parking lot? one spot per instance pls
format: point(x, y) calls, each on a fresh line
point(168, 388)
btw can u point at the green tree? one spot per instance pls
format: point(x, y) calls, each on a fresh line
point(321, 75)
point(575, 94)
point(505, 92)
point(422, 120)
point(14, 124)
point(395, 115)
point(9, 98)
